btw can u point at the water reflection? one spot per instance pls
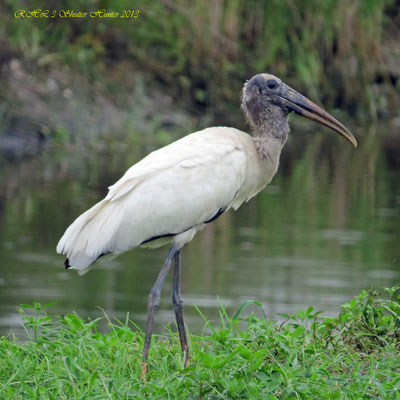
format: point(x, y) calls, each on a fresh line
point(325, 229)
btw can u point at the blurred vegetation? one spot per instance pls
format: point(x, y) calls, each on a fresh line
point(203, 51)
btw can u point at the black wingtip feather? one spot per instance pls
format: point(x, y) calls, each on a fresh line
point(66, 263)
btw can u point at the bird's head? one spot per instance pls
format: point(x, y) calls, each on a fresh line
point(267, 101)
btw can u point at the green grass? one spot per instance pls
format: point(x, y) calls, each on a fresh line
point(352, 356)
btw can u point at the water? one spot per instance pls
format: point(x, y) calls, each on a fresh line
point(327, 227)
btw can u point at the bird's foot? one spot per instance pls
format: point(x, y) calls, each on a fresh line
point(187, 360)
point(143, 374)
point(185, 350)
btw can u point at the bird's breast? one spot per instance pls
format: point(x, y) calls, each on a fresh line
point(261, 167)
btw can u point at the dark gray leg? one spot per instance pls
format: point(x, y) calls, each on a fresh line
point(154, 301)
point(178, 305)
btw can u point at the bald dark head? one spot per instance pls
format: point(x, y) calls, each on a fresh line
point(267, 101)
point(261, 106)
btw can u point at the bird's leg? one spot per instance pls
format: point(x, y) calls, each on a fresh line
point(178, 305)
point(154, 301)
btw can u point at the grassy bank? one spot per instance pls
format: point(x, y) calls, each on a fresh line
point(351, 356)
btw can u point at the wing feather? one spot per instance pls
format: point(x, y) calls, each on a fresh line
point(171, 190)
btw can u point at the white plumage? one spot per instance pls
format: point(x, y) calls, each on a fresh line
point(173, 191)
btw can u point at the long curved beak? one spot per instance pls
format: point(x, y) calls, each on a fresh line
point(305, 107)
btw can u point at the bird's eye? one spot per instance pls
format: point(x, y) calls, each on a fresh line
point(272, 84)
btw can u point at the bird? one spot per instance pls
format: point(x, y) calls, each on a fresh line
point(175, 191)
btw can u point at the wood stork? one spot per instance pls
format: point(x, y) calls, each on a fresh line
point(175, 191)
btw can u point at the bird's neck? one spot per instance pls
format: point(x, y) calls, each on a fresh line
point(270, 139)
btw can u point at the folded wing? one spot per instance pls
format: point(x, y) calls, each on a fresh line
point(170, 191)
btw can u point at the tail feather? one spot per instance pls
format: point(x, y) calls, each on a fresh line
point(86, 239)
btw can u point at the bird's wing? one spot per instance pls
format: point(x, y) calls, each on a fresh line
point(200, 148)
point(178, 187)
point(173, 189)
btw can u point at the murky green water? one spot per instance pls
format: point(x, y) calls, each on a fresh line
point(327, 227)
